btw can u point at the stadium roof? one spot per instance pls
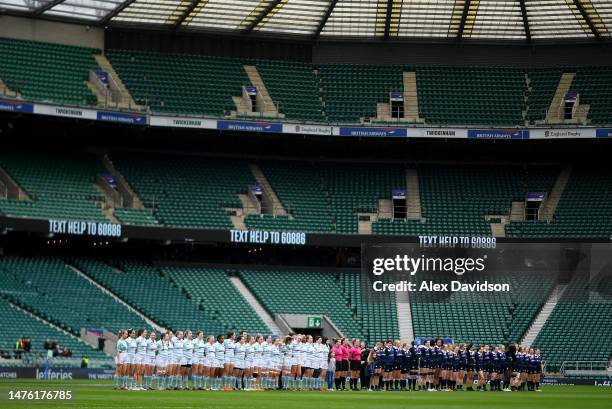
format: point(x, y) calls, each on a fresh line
point(474, 19)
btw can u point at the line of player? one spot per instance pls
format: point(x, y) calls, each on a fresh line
point(184, 360)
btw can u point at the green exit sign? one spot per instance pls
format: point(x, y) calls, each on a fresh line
point(314, 322)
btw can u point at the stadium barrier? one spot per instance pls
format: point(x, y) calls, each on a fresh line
point(144, 119)
point(40, 372)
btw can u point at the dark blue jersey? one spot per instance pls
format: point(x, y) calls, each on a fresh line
point(463, 358)
point(380, 356)
point(471, 358)
point(480, 361)
point(389, 358)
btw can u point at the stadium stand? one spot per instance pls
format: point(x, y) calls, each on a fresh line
point(497, 317)
point(60, 186)
point(583, 211)
point(186, 191)
point(47, 72)
point(22, 324)
point(292, 292)
point(455, 199)
point(152, 293)
point(543, 84)
point(579, 313)
point(221, 302)
point(294, 87)
point(298, 186)
point(471, 96)
point(594, 86)
point(354, 188)
point(180, 83)
point(336, 93)
point(55, 292)
point(141, 217)
point(352, 91)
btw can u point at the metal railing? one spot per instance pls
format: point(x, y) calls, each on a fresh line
point(586, 368)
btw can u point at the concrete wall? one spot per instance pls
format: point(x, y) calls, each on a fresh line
point(51, 32)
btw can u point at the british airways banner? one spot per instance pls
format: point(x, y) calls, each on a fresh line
point(16, 106)
point(378, 132)
point(498, 134)
point(604, 133)
point(249, 126)
point(122, 117)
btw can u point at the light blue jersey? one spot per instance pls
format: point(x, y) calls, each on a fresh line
point(141, 346)
point(131, 346)
point(229, 346)
point(198, 351)
point(178, 348)
point(188, 350)
point(151, 348)
point(163, 349)
point(240, 351)
point(121, 346)
point(219, 351)
point(209, 350)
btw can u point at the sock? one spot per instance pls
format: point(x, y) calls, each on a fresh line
point(537, 385)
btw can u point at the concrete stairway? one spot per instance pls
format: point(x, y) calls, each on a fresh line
point(517, 212)
point(116, 297)
point(364, 222)
point(385, 209)
point(271, 202)
point(266, 106)
point(12, 188)
point(411, 101)
point(542, 317)
point(581, 114)
point(548, 208)
point(240, 213)
point(130, 198)
point(498, 229)
point(413, 195)
point(383, 112)
point(5, 91)
point(555, 111)
point(107, 205)
point(255, 305)
point(242, 107)
point(126, 100)
point(404, 316)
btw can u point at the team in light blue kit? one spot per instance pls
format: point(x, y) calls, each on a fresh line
point(178, 360)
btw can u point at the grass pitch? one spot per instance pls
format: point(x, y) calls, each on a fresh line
point(99, 394)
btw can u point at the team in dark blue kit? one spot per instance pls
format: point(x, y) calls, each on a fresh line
point(438, 366)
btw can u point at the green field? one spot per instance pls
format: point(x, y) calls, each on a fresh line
point(99, 394)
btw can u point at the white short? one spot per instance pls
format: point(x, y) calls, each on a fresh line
point(217, 363)
point(239, 363)
point(195, 361)
point(228, 360)
point(184, 361)
point(248, 364)
point(161, 362)
point(258, 363)
point(323, 364)
point(307, 363)
point(130, 359)
point(139, 359)
point(122, 358)
point(149, 360)
point(209, 361)
point(176, 359)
